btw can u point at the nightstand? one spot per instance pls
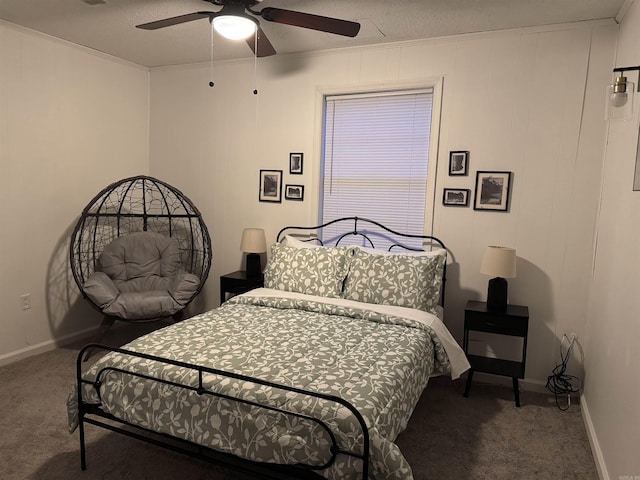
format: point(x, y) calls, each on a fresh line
point(514, 321)
point(237, 282)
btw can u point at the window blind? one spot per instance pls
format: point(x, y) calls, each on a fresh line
point(375, 161)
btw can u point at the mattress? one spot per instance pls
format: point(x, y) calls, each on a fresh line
point(378, 358)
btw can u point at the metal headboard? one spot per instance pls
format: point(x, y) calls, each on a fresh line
point(357, 226)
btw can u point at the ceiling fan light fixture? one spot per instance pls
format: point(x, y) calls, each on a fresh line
point(235, 27)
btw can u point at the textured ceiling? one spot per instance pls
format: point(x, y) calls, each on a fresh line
point(110, 27)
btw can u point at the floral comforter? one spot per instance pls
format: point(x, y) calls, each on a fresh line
point(379, 362)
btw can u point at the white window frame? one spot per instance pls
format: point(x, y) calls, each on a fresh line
point(434, 83)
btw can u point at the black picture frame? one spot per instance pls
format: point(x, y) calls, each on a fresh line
point(493, 190)
point(458, 163)
point(294, 192)
point(295, 163)
point(456, 197)
point(270, 186)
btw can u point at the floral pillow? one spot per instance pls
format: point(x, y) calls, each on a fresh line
point(413, 281)
point(314, 271)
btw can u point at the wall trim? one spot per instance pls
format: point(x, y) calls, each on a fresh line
point(77, 46)
point(623, 10)
point(400, 43)
point(45, 346)
point(526, 384)
point(593, 440)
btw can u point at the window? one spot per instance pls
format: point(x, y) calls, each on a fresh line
point(376, 159)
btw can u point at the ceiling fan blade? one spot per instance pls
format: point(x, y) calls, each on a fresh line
point(265, 49)
point(307, 20)
point(167, 22)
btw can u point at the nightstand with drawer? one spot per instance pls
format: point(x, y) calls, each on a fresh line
point(237, 282)
point(514, 322)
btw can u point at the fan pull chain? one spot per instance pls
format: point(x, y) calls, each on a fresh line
point(211, 84)
point(255, 63)
point(256, 126)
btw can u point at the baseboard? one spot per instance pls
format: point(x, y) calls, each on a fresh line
point(593, 440)
point(43, 347)
point(526, 384)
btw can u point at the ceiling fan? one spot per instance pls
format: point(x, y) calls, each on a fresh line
point(237, 20)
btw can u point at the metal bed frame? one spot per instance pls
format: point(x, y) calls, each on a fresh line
point(89, 413)
point(366, 233)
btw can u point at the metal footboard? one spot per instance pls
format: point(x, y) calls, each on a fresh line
point(93, 414)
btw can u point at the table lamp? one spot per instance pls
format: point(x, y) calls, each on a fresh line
point(500, 263)
point(253, 244)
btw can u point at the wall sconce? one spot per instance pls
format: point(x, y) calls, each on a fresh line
point(619, 101)
point(500, 263)
point(253, 243)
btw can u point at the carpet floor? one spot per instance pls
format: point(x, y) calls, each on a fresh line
point(449, 437)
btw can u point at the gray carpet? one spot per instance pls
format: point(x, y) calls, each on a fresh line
point(449, 437)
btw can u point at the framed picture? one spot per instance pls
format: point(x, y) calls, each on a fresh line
point(458, 163)
point(492, 191)
point(294, 192)
point(295, 163)
point(270, 186)
point(456, 197)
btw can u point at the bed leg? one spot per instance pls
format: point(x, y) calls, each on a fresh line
point(516, 390)
point(83, 456)
point(467, 386)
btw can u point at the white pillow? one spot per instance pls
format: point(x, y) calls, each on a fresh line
point(431, 253)
point(295, 243)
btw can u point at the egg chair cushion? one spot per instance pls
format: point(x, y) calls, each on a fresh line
point(139, 276)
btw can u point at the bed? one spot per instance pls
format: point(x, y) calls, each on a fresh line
point(313, 376)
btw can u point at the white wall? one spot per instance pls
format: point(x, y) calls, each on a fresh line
point(71, 122)
point(525, 100)
point(611, 393)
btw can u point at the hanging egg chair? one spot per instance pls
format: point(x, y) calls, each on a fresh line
point(140, 251)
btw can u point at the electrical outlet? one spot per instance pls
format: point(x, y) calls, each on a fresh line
point(26, 301)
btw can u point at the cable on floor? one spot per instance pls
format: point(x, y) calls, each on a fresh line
point(559, 383)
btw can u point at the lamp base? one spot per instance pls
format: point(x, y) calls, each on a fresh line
point(254, 269)
point(497, 294)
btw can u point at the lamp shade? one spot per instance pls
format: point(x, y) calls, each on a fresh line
point(253, 241)
point(499, 262)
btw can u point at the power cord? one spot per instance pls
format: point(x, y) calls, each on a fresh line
point(559, 383)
